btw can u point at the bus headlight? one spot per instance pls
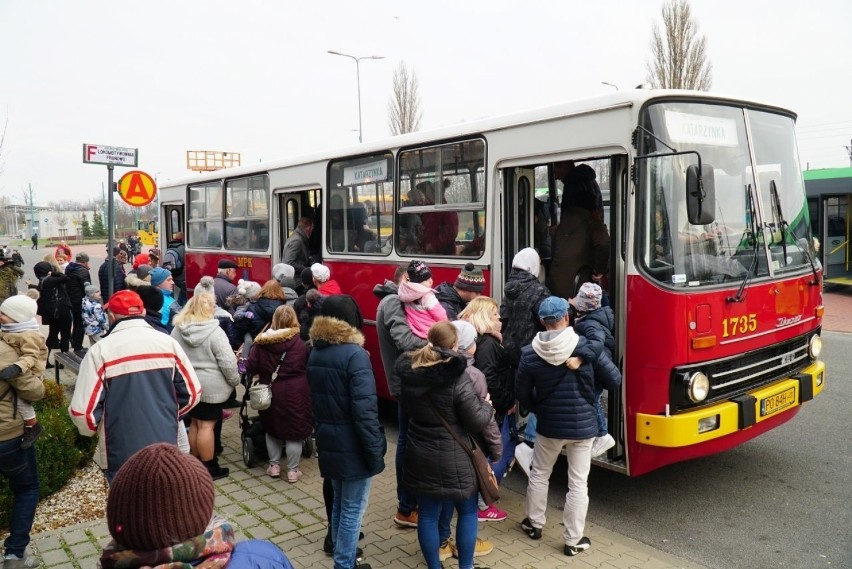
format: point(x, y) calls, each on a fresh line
point(814, 347)
point(697, 386)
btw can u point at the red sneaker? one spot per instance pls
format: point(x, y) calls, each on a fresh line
point(492, 514)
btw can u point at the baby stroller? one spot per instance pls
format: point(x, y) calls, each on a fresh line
point(253, 436)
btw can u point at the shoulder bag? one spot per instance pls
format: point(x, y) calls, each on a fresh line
point(489, 489)
point(260, 394)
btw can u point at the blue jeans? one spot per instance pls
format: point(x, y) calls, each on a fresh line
point(350, 503)
point(432, 512)
point(508, 435)
point(407, 501)
point(19, 467)
point(529, 430)
point(599, 412)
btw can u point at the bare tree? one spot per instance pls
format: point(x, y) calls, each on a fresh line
point(404, 107)
point(3, 139)
point(678, 55)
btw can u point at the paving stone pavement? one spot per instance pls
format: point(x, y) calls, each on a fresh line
point(293, 517)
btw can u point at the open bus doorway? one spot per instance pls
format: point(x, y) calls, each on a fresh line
point(294, 204)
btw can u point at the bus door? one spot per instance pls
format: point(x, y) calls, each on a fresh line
point(294, 204)
point(518, 214)
point(838, 261)
point(173, 218)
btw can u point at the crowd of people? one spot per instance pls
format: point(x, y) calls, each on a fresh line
point(457, 361)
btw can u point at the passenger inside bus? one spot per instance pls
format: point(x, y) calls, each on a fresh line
point(440, 228)
point(581, 243)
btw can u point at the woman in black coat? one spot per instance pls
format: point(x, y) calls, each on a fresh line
point(54, 306)
point(437, 469)
point(280, 352)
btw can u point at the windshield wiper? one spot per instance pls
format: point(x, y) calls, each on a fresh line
point(783, 225)
point(752, 211)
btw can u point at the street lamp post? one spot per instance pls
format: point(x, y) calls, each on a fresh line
point(357, 61)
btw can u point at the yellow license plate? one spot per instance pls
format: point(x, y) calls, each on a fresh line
point(775, 403)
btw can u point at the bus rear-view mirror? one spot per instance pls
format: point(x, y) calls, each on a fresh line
point(700, 194)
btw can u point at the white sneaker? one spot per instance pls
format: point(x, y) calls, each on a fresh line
point(602, 444)
point(523, 457)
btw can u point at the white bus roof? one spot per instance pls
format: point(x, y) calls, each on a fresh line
point(635, 97)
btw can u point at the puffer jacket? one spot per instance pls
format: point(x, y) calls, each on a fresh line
point(435, 465)
point(492, 360)
point(207, 347)
point(290, 417)
point(601, 320)
point(450, 300)
point(519, 311)
point(79, 277)
point(28, 386)
point(562, 399)
point(350, 438)
point(252, 317)
point(395, 335)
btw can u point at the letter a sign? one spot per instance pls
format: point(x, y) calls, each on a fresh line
point(137, 188)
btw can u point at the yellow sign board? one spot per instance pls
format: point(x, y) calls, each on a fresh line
point(137, 188)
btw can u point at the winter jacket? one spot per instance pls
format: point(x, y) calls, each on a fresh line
point(167, 312)
point(492, 360)
point(562, 399)
point(155, 320)
point(395, 335)
point(581, 240)
point(422, 309)
point(296, 252)
point(28, 351)
point(117, 279)
point(94, 317)
point(602, 320)
point(78, 278)
point(306, 314)
point(350, 438)
point(53, 302)
point(258, 554)
point(290, 418)
point(522, 296)
point(491, 433)
point(207, 346)
point(226, 323)
point(131, 388)
point(329, 288)
point(223, 287)
point(435, 464)
point(450, 300)
point(9, 276)
point(252, 317)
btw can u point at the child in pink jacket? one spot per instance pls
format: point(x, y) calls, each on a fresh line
point(422, 308)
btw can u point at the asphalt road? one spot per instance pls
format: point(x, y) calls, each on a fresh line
point(781, 500)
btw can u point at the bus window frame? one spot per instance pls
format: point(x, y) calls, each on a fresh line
point(250, 221)
point(205, 221)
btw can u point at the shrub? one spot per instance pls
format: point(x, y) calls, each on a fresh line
point(60, 450)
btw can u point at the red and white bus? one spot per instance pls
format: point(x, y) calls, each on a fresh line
point(715, 287)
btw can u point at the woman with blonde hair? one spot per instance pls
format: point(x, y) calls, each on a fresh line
point(198, 332)
point(280, 358)
point(491, 359)
point(437, 389)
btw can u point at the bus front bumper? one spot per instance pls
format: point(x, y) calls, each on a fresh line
point(739, 413)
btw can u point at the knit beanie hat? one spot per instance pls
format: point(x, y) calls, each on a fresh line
point(342, 307)
point(90, 290)
point(159, 275)
point(418, 272)
point(159, 497)
point(527, 260)
point(144, 271)
point(588, 298)
point(320, 272)
point(307, 277)
point(465, 332)
point(19, 308)
point(152, 298)
point(470, 279)
point(248, 289)
point(205, 286)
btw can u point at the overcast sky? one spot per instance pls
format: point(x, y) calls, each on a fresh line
point(255, 77)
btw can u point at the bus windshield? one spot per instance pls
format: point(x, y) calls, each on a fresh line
point(759, 224)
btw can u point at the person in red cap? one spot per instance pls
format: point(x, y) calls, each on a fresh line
point(132, 386)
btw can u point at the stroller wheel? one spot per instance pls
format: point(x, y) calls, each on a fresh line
point(248, 452)
point(308, 447)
